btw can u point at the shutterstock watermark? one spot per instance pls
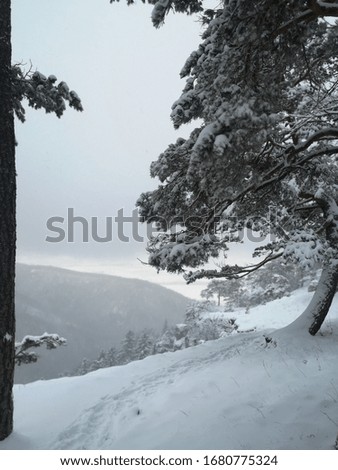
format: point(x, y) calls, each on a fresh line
point(130, 227)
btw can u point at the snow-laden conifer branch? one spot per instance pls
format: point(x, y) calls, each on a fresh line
point(41, 92)
point(23, 356)
point(279, 172)
point(163, 7)
point(229, 272)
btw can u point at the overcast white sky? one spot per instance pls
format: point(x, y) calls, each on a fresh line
point(127, 74)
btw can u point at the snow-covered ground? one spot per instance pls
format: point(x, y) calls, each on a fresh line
point(233, 393)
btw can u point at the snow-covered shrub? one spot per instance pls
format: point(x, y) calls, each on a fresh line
point(202, 324)
point(206, 324)
point(165, 343)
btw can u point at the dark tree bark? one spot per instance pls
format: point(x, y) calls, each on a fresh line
point(321, 301)
point(327, 285)
point(314, 315)
point(7, 224)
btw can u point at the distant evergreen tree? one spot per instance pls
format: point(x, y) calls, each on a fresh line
point(111, 357)
point(84, 367)
point(127, 352)
point(104, 360)
point(165, 326)
point(145, 345)
point(215, 287)
point(228, 290)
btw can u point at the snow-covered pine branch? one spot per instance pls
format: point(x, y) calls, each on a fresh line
point(41, 92)
point(24, 356)
point(163, 7)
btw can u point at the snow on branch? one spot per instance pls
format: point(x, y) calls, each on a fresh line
point(41, 92)
point(229, 272)
point(281, 170)
point(163, 7)
point(305, 249)
point(23, 356)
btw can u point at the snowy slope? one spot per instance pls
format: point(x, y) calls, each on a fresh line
point(75, 304)
point(233, 393)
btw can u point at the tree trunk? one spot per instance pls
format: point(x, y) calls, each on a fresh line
point(7, 224)
point(322, 299)
point(314, 315)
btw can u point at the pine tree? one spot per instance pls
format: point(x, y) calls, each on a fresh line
point(127, 352)
point(145, 345)
point(84, 367)
point(105, 359)
point(228, 290)
point(165, 326)
point(263, 84)
point(111, 357)
point(39, 92)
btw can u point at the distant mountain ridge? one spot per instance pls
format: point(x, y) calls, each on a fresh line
point(92, 311)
